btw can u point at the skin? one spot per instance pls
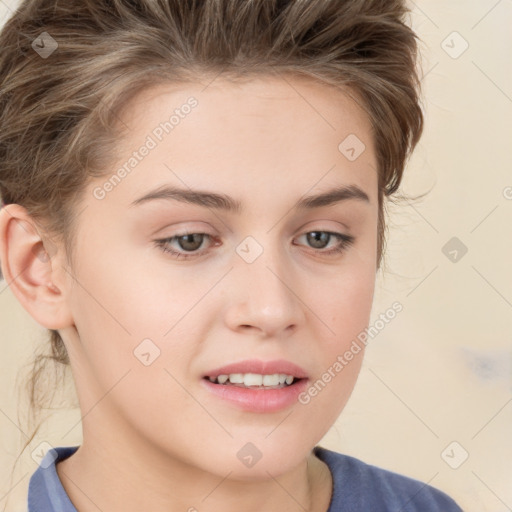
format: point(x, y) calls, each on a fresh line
point(153, 437)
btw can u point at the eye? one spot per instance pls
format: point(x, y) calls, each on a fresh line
point(191, 243)
point(188, 242)
point(320, 239)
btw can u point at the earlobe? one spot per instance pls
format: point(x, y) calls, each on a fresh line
point(30, 268)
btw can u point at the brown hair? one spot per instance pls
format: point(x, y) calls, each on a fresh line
point(59, 115)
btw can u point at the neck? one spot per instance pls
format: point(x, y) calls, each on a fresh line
point(128, 474)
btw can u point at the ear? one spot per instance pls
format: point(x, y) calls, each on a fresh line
point(30, 266)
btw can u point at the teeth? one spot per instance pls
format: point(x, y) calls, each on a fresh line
point(254, 379)
point(271, 380)
point(251, 379)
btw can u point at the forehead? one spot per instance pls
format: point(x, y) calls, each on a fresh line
point(269, 132)
point(283, 98)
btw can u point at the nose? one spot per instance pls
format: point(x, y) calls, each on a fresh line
point(265, 296)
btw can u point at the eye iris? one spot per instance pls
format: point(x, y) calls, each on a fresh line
point(191, 238)
point(314, 237)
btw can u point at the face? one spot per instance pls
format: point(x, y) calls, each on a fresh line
point(168, 289)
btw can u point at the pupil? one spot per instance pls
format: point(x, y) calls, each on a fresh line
point(314, 237)
point(190, 239)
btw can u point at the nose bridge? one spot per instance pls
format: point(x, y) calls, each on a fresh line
point(263, 284)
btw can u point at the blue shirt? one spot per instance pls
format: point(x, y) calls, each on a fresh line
point(357, 487)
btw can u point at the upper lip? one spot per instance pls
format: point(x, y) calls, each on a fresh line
point(260, 367)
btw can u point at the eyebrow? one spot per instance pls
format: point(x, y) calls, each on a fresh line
point(228, 204)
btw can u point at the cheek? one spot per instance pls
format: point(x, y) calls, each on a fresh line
point(345, 307)
point(344, 302)
point(128, 314)
point(123, 354)
point(123, 294)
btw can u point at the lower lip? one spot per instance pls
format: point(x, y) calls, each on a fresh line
point(258, 400)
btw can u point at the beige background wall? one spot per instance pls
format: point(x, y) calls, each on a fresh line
point(440, 372)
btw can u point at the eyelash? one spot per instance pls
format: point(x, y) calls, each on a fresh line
point(345, 242)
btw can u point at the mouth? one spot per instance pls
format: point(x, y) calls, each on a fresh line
point(257, 374)
point(257, 386)
point(255, 380)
